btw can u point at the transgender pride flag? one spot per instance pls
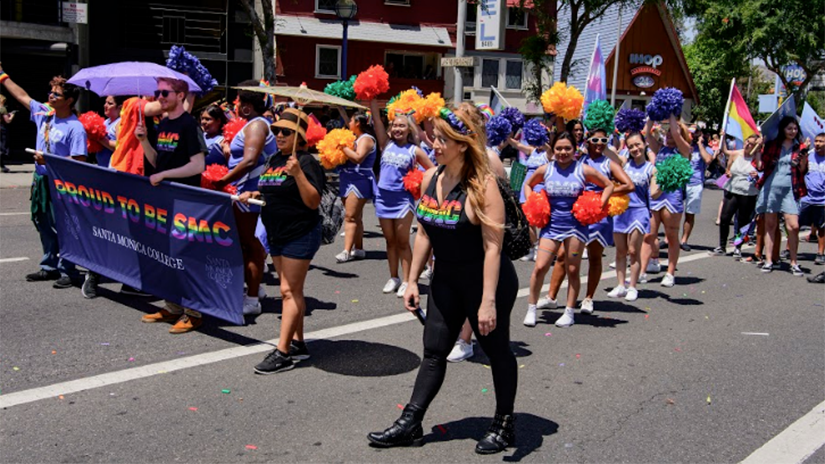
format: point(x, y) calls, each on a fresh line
point(596, 88)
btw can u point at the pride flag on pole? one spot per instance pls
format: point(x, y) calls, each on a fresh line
point(770, 128)
point(811, 123)
point(739, 122)
point(596, 88)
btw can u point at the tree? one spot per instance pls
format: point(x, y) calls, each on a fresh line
point(539, 50)
point(264, 29)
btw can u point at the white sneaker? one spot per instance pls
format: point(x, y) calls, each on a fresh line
point(261, 292)
point(618, 292)
point(358, 254)
point(547, 303)
point(402, 290)
point(654, 267)
point(587, 306)
point(531, 256)
point(612, 265)
point(567, 319)
point(344, 257)
point(251, 306)
point(461, 351)
point(343, 233)
point(584, 254)
point(427, 274)
point(632, 294)
point(668, 280)
point(530, 317)
point(392, 285)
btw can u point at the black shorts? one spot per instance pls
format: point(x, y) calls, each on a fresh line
point(812, 215)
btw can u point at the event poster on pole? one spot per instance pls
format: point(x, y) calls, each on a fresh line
point(173, 241)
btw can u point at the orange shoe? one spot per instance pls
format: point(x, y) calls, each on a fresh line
point(161, 316)
point(186, 323)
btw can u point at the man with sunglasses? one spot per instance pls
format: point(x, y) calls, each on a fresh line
point(175, 152)
point(60, 133)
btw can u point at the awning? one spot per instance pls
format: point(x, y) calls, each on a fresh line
point(300, 26)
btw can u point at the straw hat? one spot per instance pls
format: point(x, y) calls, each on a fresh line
point(295, 120)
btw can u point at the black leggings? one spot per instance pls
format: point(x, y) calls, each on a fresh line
point(740, 205)
point(455, 295)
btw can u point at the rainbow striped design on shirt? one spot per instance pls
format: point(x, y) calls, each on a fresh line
point(273, 177)
point(445, 215)
point(167, 141)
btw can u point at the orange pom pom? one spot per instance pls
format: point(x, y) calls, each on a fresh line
point(213, 173)
point(537, 209)
point(331, 147)
point(563, 101)
point(231, 129)
point(412, 182)
point(371, 83)
point(429, 107)
point(95, 127)
point(405, 103)
point(588, 208)
point(315, 132)
point(618, 205)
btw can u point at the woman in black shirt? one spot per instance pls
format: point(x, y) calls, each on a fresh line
point(291, 186)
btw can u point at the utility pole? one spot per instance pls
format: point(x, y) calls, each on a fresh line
point(458, 92)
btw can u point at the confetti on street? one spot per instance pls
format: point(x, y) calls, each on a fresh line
point(251, 447)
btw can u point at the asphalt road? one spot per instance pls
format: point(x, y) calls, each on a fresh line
point(678, 376)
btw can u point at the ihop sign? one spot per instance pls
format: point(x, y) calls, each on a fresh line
point(654, 61)
point(643, 74)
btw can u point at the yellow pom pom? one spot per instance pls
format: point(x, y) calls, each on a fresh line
point(404, 103)
point(331, 148)
point(617, 205)
point(563, 101)
point(429, 107)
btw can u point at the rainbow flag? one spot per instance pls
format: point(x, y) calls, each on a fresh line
point(739, 123)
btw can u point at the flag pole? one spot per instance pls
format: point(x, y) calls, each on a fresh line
point(616, 61)
point(727, 107)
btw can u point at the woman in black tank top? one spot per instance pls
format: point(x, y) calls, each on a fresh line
point(462, 215)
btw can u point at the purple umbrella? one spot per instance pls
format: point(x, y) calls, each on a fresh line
point(127, 78)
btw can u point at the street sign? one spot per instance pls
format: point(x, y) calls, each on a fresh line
point(463, 62)
point(491, 22)
point(74, 12)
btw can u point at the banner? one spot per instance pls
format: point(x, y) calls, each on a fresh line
point(596, 88)
point(810, 123)
point(497, 101)
point(173, 241)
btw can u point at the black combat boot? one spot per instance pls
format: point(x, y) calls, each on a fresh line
point(499, 436)
point(406, 431)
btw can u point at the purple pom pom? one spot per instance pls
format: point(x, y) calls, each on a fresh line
point(630, 120)
point(498, 130)
point(514, 116)
point(535, 134)
point(184, 62)
point(665, 102)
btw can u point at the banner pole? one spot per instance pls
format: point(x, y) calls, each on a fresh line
point(727, 107)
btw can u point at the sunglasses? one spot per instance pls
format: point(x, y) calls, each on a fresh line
point(282, 131)
point(55, 95)
point(163, 93)
point(601, 140)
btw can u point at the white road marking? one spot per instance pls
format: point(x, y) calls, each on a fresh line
point(112, 378)
point(13, 260)
point(756, 333)
point(25, 213)
point(796, 443)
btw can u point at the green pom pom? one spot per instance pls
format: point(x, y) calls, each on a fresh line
point(342, 89)
point(673, 173)
point(600, 115)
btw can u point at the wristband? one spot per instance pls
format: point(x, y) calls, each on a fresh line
point(3, 77)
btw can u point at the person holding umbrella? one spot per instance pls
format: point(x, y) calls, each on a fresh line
point(60, 133)
point(176, 154)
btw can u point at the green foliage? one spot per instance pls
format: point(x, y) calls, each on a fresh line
point(712, 72)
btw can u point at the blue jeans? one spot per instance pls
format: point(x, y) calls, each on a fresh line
point(52, 261)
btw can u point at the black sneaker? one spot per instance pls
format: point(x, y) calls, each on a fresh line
point(89, 288)
point(662, 244)
point(737, 253)
point(820, 259)
point(786, 254)
point(127, 290)
point(817, 279)
point(42, 276)
point(274, 363)
point(684, 246)
point(718, 251)
point(298, 350)
point(63, 282)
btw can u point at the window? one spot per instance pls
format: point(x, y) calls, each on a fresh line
point(408, 66)
point(516, 18)
point(174, 29)
point(472, 17)
point(327, 62)
point(325, 6)
point(512, 78)
point(467, 76)
point(489, 73)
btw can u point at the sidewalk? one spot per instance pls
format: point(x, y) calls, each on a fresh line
point(19, 177)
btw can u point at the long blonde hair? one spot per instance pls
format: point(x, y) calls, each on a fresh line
point(476, 168)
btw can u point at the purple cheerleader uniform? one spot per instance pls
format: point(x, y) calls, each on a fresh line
point(637, 216)
point(249, 181)
point(359, 178)
point(601, 231)
point(563, 186)
point(392, 200)
point(430, 154)
point(537, 159)
point(673, 201)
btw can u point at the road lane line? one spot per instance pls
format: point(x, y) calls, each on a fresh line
point(16, 214)
point(64, 388)
point(796, 443)
point(13, 260)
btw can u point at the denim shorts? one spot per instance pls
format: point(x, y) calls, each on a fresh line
point(303, 247)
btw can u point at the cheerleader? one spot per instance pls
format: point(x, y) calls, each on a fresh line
point(564, 180)
point(357, 185)
point(600, 235)
point(393, 204)
point(533, 155)
point(630, 227)
point(668, 208)
point(212, 121)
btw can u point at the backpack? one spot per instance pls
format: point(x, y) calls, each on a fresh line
point(332, 214)
point(517, 241)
